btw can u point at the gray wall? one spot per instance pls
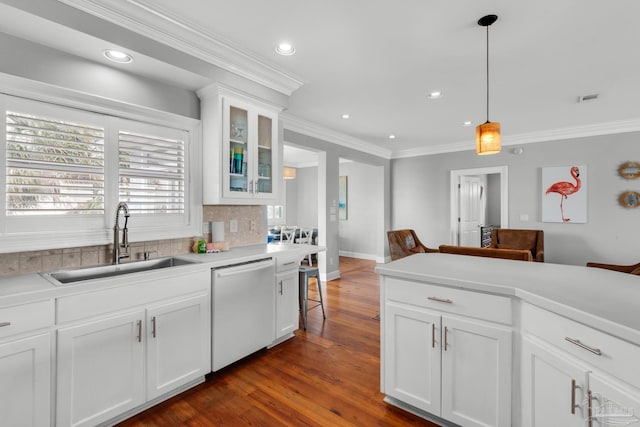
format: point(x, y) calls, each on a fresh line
point(306, 200)
point(493, 199)
point(328, 172)
point(420, 196)
point(365, 208)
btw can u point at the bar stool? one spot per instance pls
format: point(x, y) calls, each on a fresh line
point(304, 274)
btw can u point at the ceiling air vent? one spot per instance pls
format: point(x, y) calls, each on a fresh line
point(585, 98)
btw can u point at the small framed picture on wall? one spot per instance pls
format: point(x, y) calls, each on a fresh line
point(564, 194)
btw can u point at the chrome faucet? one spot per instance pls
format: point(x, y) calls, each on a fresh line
point(122, 206)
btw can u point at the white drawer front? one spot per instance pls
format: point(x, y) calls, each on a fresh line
point(468, 303)
point(617, 356)
point(22, 318)
point(104, 301)
point(287, 264)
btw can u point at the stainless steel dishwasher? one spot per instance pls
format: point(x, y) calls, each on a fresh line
point(243, 311)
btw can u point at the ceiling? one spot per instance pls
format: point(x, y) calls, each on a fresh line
point(377, 61)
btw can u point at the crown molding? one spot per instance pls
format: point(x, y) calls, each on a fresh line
point(148, 19)
point(296, 124)
point(608, 128)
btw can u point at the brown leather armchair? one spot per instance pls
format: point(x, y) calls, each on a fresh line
point(508, 238)
point(403, 243)
point(631, 269)
point(513, 254)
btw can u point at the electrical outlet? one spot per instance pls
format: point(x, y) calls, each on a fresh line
point(252, 225)
point(233, 226)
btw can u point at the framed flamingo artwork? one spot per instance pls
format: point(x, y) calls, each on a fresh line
point(564, 194)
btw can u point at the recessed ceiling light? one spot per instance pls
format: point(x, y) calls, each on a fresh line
point(117, 56)
point(345, 116)
point(392, 136)
point(467, 123)
point(285, 49)
point(436, 94)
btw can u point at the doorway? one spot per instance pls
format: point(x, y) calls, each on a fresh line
point(470, 189)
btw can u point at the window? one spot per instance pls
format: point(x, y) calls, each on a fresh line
point(53, 166)
point(65, 171)
point(151, 178)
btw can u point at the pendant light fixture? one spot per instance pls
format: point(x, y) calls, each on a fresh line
point(488, 133)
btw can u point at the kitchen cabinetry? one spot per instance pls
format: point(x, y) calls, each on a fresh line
point(25, 364)
point(149, 339)
point(241, 150)
point(445, 353)
point(573, 375)
point(287, 305)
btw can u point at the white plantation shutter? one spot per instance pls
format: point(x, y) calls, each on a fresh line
point(53, 167)
point(151, 173)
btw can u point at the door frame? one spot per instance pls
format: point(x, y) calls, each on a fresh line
point(454, 197)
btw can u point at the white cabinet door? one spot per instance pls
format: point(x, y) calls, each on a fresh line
point(25, 382)
point(100, 369)
point(553, 387)
point(476, 372)
point(249, 150)
point(178, 344)
point(287, 311)
point(612, 403)
point(412, 356)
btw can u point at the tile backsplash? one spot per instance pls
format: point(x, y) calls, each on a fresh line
point(53, 259)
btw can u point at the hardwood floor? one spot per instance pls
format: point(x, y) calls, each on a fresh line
point(326, 376)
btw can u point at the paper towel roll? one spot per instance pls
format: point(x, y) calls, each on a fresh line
point(217, 231)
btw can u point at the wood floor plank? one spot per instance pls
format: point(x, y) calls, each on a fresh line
point(328, 375)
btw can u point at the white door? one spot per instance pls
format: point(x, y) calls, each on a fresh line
point(412, 356)
point(613, 404)
point(178, 344)
point(100, 369)
point(471, 210)
point(25, 385)
point(476, 373)
point(287, 312)
point(553, 387)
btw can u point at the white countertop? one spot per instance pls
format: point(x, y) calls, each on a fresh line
point(32, 287)
point(603, 299)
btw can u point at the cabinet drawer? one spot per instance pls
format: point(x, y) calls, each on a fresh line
point(284, 264)
point(617, 357)
point(468, 303)
point(22, 318)
point(94, 303)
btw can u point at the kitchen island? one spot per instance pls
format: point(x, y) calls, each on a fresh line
point(477, 341)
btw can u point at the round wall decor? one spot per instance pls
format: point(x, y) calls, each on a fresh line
point(630, 199)
point(629, 170)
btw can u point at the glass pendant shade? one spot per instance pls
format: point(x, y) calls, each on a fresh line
point(289, 173)
point(488, 138)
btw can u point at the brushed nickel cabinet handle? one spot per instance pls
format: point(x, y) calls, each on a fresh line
point(589, 408)
point(446, 301)
point(280, 287)
point(584, 346)
point(433, 335)
point(5, 324)
point(446, 342)
point(153, 326)
point(139, 330)
point(573, 396)
point(289, 263)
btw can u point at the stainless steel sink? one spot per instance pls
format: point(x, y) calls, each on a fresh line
point(63, 277)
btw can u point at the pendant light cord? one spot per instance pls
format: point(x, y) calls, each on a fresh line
point(487, 73)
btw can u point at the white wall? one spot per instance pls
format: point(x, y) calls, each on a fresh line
point(365, 208)
point(420, 196)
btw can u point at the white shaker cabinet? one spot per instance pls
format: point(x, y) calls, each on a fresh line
point(445, 353)
point(25, 369)
point(241, 150)
point(25, 364)
point(100, 369)
point(287, 311)
point(178, 344)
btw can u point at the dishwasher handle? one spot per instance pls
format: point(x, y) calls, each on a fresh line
point(242, 268)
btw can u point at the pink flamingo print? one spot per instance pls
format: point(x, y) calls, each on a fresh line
point(565, 189)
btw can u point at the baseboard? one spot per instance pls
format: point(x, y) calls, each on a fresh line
point(332, 275)
point(419, 412)
point(361, 255)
